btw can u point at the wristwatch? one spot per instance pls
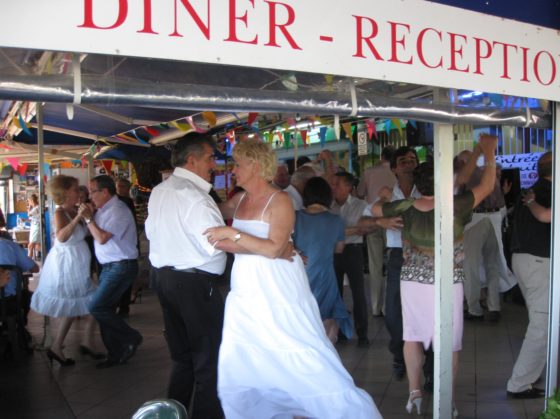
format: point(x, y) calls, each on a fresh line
point(237, 237)
point(88, 220)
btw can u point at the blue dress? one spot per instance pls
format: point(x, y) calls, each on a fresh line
point(316, 235)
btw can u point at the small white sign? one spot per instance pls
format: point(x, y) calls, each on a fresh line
point(362, 144)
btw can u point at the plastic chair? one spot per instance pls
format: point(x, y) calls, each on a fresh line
point(161, 409)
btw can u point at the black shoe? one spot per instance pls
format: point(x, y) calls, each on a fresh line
point(64, 362)
point(473, 317)
point(108, 363)
point(429, 385)
point(84, 350)
point(363, 342)
point(399, 370)
point(130, 350)
point(342, 338)
point(494, 316)
point(123, 312)
point(530, 393)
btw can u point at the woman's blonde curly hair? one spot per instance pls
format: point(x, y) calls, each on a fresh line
point(259, 152)
point(58, 186)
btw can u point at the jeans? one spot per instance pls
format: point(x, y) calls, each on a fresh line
point(114, 279)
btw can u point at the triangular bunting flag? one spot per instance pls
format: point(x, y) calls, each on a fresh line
point(108, 165)
point(209, 117)
point(251, 118)
point(195, 127)
point(322, 136)
point(303, 133)
point(336, 127)
point(348, 130)
point(22, 169)
point(14, 162)
point(397, 124)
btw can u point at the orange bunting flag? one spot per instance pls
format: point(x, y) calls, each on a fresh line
point(303, 133)
point(397, 123)
point(15, 121)
point(348, 130)
point(108, 165)
point(210, 117)
point(251, 118)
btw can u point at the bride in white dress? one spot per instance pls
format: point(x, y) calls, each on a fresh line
point(65, 285)
point(275, 359)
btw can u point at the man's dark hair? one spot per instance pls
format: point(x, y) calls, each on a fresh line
point(400, 152)
point(424, 178)
point(317, 191)
point(348, 178)
point(544, 166)
point(190, 144)
point(387, 152)
point(105, 182)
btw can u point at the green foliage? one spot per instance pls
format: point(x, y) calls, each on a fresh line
point(553, 407)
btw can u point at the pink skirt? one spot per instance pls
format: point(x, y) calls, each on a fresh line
point(418, 313)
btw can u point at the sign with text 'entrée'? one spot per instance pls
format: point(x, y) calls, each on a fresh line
point(408, 40)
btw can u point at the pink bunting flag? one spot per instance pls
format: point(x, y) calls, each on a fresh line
point(372, 129)
point(252, 117)
point(22, 169)
point(291, 122)
point(14, 162)
point(195, 127)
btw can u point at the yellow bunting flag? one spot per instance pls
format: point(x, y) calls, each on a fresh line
point(348, 130)
point(15, 121)
point(180, 126)
point(397, 124)
point(209, 117)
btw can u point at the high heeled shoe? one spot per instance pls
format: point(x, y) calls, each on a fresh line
point(63, 362)
point(454, 411)
point(414, 401)
point(137, 295)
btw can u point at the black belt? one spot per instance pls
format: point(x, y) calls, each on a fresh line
point(486, 210)
point(354, 244)
point(119, 261)
point(189, 271)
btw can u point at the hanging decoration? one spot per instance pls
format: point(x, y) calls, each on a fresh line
point(198, 129)
point(22, 169)
point(397, 124)
point(322, 136)
point(303, 133)
point(347, 126)
point(108, 165)
point(180, 126)
point(252, 117)
point(14, 162)
point(210, 117)
point(336, 127)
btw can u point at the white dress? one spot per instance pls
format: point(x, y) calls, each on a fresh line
point(275, 359)
point(65, 286)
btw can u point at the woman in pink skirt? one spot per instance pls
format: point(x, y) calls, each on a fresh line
point(417, 275)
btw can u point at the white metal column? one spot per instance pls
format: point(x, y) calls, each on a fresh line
point(443, 338)
point(554, 305)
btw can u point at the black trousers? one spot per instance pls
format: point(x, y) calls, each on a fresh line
point(193, 314)
point(351, 263)
point(393, 308)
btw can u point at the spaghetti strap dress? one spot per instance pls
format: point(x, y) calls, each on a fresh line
point(65, 286)
point(275, 359)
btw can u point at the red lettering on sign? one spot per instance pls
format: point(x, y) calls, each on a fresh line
point(478, 53)
point(147, 18)
point(525, 66)
point(204, 28)
point(367, 39)
point(88, 15)
point(536, 67)
point(273, 25)
point(232, 24)
point(456, 50)
point(420, 47)
point(505, 73)
point(400, 41)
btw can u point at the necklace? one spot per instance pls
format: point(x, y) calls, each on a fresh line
point(316, 208)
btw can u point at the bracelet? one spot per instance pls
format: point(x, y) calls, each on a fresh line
point(490, 164)
point(530, 201)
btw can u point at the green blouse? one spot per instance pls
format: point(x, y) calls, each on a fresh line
point(418, 237)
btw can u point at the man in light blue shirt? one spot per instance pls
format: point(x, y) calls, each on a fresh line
point(114, 231)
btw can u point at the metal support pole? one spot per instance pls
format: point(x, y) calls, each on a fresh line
point(47, 338)
point(554, 304)
point(443, 226)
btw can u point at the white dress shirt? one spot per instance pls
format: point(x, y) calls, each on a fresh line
point(297, 200)
point(179, 211)
point(350, 212)
point(115, 217)
point(394, 236)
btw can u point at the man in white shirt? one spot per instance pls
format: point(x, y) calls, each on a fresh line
point(297, 182)
point(187, 267)
point(403, 163)
point(373, 180)
point(114, 232)
point(351, 261)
